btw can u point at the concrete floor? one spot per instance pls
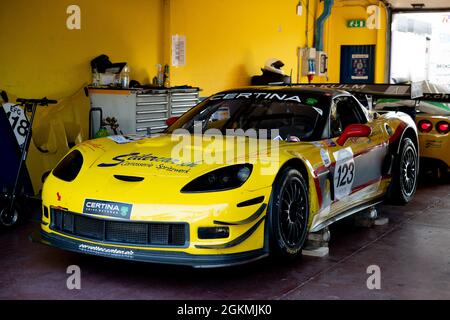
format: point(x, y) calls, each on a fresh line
point(412, 251)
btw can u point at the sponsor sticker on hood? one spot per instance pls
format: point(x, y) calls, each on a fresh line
point(107, 208)
point(137, 159)
point(122, 139)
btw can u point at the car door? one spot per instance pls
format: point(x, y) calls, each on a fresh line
point(357, 171)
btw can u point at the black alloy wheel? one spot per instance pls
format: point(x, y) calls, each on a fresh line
point(288, 214)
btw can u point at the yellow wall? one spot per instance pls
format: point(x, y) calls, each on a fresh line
point(229, 41)
point(40, 56)
point(337, 33)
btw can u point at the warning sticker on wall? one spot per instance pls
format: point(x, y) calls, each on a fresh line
point(178, 50)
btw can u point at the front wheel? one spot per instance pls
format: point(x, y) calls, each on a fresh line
point(404, 178)
point(289, 213)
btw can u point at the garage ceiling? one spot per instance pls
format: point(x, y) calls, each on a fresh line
point(429, 4)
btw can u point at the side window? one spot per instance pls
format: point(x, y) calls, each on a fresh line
point(344, 111)
point(360, 110)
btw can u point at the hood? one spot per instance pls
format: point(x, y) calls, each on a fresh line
point(152, 171)
point(171, 155)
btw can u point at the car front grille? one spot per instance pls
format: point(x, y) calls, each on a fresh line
point(120, 232)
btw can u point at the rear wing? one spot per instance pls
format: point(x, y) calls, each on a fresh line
point(418, 91)
point(375, 91)
point(436, 97)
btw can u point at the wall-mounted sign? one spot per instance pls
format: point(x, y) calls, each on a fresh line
point(360, 64)
point(356, 23)
point(178, 50)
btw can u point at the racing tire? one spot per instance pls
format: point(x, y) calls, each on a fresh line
point(405, 174)
point(288, 214)
point(443, 173)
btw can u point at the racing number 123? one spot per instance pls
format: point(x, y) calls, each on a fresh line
point(346, 173)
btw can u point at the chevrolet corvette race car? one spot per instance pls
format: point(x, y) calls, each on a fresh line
point(434, 139)
point(244, 174)
point(432, 115)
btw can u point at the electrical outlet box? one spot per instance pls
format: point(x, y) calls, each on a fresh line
point(308, 61)
point(321, 64)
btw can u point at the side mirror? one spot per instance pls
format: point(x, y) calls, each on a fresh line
point(171, 121)
point(354, 130)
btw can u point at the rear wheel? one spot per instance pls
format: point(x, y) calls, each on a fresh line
point(442, 172)
point(404, 179)
point(289, 213)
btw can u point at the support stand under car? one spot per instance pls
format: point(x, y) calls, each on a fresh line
point(10, 212)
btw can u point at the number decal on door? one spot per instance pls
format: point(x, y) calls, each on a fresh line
point(344, 173)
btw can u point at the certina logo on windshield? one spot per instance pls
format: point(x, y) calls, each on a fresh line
point(107, 208)
point(256, 95)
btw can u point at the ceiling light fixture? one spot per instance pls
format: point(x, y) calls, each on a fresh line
point(299, 8)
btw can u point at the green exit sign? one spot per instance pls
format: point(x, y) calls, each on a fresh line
point(356, 23)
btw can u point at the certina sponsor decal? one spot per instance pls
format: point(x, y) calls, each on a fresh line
point(107, 208)
point(257, 95)
point(106, 251)
point(137, 159)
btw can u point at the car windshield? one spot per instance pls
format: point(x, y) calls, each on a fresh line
point(297, 116)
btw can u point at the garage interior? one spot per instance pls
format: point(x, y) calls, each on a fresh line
point(210, 46)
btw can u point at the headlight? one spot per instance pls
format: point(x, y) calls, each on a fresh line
point(221, 179)
point(69, 167)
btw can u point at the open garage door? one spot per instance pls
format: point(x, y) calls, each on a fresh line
point(420, 49)
point(419, 5)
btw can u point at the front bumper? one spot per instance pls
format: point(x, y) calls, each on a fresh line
point(163, 257)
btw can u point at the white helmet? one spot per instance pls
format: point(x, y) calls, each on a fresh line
point(274, 65)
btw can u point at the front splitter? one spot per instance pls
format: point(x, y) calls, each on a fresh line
point(152, 256)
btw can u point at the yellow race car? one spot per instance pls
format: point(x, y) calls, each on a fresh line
point(244, 174)
point(432, 115)
point(433, 122)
